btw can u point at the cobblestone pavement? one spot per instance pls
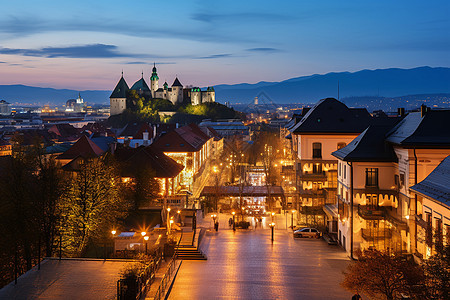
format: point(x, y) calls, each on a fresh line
point(246, 265)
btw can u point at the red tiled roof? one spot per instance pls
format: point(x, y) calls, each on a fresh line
point(185, 139)
point(84, 147)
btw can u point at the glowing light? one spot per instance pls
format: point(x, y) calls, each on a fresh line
point(179, 211)
point(168, 209)
point(143, 233)
point(146, 237)
point(113, 232)
point(233, 213)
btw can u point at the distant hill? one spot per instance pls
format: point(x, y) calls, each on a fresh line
point(309, 89)
point(388, 83)
point(36, 95)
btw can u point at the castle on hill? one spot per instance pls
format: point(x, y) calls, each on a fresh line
point(175, 94)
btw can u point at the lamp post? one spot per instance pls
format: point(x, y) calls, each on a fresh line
point(292, 218)
point(146, 239)
point(113, 232)
point(272, 214)
point(272, 226)
point(179, 217)
point(143, 234)
point(168, 221)
point(234, 224)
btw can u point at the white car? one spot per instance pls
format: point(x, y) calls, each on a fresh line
point(307, 232)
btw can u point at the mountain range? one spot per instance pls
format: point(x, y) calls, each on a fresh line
point(391, 82)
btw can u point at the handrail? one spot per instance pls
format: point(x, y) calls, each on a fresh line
point(160, 293)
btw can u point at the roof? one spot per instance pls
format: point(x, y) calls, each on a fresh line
point(4, 143)
point(332, 116)
point(84, 147)
point(436, 185)
point(103, 142)
point(232, 190)
point(427, 131)
point(65, 131)
point(177, 82)
point(133, 159)
point(140, 85)
point(370, 145)
point(135, 130)
point(121, 89)
point(188, 138)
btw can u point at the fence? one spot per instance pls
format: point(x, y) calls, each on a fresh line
point(163, 287)
point(134, 287)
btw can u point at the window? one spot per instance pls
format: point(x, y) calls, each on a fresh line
point(439, 237)
point(372, 201)
point(317, 169)
point(341, 145)
point(429, 231)
point(345, 170)
point(317, 150)
point(371, 177)
point(402, 179)
point(339, 168)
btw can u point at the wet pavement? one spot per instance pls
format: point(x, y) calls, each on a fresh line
point(246, 265)
point(68, 279)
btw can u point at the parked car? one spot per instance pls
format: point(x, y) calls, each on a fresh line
point(307, 232)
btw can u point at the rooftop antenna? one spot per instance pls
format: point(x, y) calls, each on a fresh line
point(122, 72)
point(142, 73)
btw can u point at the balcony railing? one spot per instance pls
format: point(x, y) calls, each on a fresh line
point(376, 234)
point(314, 176)
point(369, 212)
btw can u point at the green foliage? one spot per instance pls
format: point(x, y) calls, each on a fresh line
point(143, 189)
point(437, 274)
point(211, 110)
point(92, 204)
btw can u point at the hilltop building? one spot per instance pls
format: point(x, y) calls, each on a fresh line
point(175, 94)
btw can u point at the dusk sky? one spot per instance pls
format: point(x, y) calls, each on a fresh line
point(86, 44)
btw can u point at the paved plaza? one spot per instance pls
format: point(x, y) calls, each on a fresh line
point(68, 279)
point(246, 265)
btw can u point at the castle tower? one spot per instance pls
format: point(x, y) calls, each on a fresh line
point(118, 98)
point(176, 95)
point(210, 95)
point(154, 81)
point(196, 96)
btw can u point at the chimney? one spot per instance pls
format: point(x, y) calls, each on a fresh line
point(423, 110)
point(401, 111)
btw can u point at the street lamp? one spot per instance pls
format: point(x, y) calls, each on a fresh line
point(168, 222)
point(234, 224)
point(272, 226)
point(273, 214)
point(146, 239)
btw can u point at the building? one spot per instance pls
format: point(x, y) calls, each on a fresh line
point(367, 194)
point(5, 148)
point(326, 127)
point(75, 105)
point(175, 94)
point(5, 108)
point(190, 147)
point(378, 173)
point(433, 210)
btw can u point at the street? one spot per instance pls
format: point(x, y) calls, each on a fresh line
point(246, 265)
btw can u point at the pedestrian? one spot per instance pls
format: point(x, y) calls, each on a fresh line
point(230, 222)
point(356, 297)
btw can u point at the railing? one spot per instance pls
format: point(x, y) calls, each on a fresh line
point(376, 234)
point(371, 212)
point(130, 288)
point(163, 287)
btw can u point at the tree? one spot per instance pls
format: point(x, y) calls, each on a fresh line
point(144, 188)
point(377, 273)
point(437, 274)
point(92, 205)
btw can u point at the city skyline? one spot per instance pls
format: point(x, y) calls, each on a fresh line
point(87, 45)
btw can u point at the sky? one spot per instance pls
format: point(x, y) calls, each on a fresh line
point(87, 44)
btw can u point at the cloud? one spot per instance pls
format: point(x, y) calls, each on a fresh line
point(214, 56)
point(267, 50)
point(83, 51)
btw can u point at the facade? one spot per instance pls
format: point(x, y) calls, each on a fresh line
point(189, 146)
point(175, 94)
point(377, 207)
point(326, 127)
point(433, 210)
point(5, 108)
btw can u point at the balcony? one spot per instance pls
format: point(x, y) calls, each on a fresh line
point(311, 176)
point(376, 234)
point(368, 212)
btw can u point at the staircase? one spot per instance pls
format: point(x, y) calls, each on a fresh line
point(186, 250)
point(189, 253)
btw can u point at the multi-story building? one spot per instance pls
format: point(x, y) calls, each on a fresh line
point(376, 172)
point(188, 146)
point(326, 127)
point(367, 194)
point(433, 210)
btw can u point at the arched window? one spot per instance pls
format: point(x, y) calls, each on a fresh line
point(317, 150)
